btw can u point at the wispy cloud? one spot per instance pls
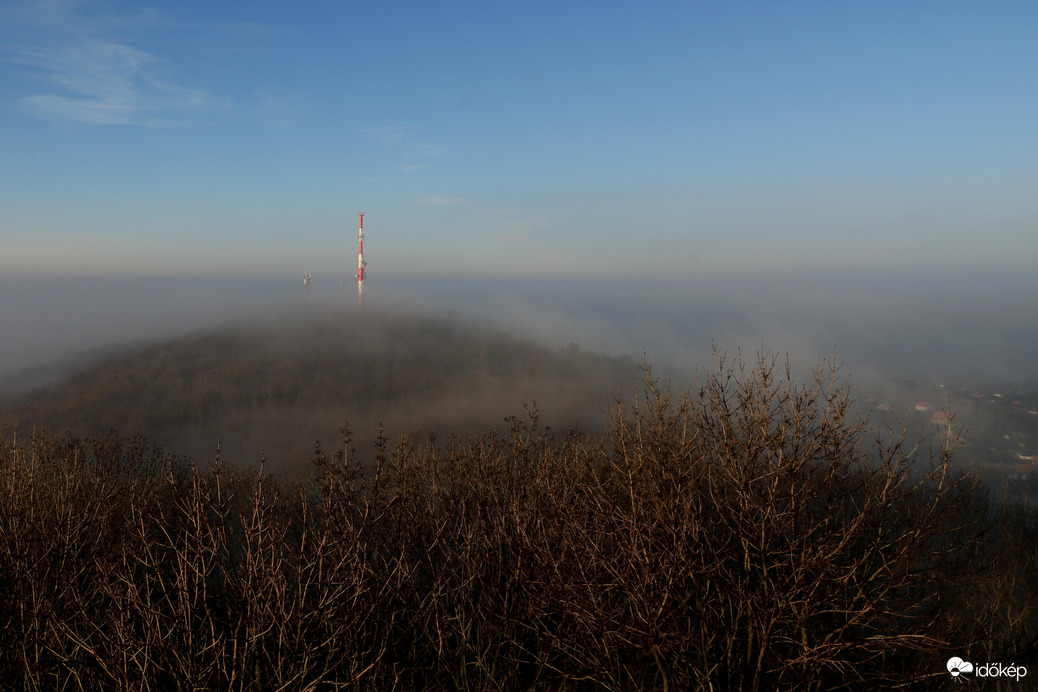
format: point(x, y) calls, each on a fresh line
point(95, 76)
point(105, 82)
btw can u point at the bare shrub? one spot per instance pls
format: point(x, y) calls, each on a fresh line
point(64, 510)
point(749, 534)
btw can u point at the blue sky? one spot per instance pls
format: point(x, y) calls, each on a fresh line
point(517, 138)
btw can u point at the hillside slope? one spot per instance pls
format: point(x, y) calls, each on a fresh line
point(278, 385)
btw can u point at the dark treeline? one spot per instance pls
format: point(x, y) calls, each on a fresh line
point(750, 534)
point(275, 387)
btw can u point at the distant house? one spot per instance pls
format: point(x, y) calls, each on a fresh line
point(922, 406)
point(941, 418)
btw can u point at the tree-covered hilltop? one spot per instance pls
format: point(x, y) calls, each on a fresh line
point(277, 385)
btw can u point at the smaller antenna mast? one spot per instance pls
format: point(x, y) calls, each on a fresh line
point(360, 259)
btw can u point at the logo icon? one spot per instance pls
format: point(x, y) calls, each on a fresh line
point(957, 667)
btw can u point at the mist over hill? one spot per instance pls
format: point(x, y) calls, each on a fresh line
point(938, 326)
point(903, 338)
point(278, 384)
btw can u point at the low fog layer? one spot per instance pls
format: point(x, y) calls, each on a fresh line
point(960, 327)
point(52, 326)
point(253, 363)
point(966, 328)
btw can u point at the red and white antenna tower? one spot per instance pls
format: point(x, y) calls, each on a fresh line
point(360, 258)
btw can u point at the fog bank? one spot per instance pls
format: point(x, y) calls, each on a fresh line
point(965, 328)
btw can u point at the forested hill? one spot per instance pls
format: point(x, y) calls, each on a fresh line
point(279, 384)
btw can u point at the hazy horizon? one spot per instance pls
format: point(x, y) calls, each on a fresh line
point(968, 329)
